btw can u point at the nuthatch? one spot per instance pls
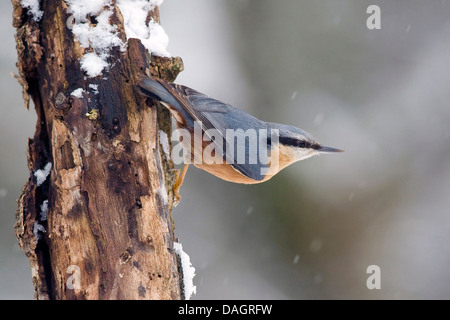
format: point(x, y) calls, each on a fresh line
point(189, 107)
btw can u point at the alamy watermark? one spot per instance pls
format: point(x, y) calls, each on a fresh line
point(74, 279)
point(234, 146)
point(374, 20)
point(374, 280)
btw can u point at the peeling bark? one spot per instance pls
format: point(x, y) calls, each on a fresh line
point(110, 189)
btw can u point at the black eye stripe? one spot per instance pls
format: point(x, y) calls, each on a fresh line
point(295, 142)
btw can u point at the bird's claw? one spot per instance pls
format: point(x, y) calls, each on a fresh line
point(178, 183)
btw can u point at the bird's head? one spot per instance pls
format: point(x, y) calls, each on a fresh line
point(296, 144)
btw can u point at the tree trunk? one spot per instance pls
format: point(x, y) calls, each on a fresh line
point(94, 218)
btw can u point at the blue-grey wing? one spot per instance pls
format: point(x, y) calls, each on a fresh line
point(240, 147)
point(245, 148)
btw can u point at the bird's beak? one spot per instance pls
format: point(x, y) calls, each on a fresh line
point(325, 149)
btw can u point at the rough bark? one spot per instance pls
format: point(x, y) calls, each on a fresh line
point(110, 188)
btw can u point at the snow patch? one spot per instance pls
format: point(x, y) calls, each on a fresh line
point(44, 210)
point(33, 9)
point(188, 271)
point(94, 88)
point(164, 141)
point(94, 64)
point(82, 8)
point(42, 174)
point(157, 41)
point(36, 229)
point(162, 192)
point(100, 38)
point(151, 34)
point(78, 93)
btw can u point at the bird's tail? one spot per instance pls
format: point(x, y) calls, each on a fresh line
point(154, 89)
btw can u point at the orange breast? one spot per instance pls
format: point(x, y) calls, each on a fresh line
point(227, 173)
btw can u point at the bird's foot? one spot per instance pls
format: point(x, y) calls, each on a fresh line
point(178, 183)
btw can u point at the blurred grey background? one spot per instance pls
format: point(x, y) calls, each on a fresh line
point(312, 231)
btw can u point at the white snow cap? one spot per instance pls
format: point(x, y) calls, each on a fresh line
point(188, 271)
point(42, 174)
point(82, 8)
point(33, 8)
point(152, 35)
point(101, 37)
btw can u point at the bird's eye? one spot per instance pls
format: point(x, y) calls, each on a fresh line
point(302, 144)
